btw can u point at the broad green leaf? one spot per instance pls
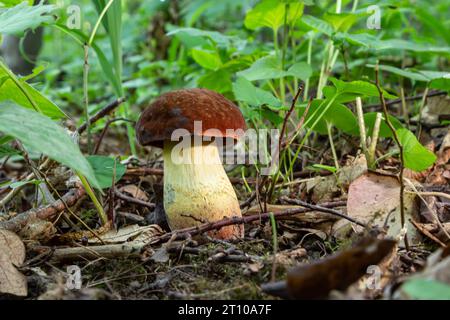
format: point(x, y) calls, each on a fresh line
point(267, 13)
point(214, 36)
point(371, 42)
point(317, 24)
point(10, 91)
point(43, 135)
point(246, 92)
point(416, 156)
point(219, 81)
point(441, 84)
point(268, 68)
point(385, 131)
point(359, 88)
point(300, 70)
point(208, 60)
point(103, 167)
point(271, 14)
point(17, 19)
point(413, 74)
point(337, 114)
point(341, 21)
point(426, 289)
point(262, 69)
point(369, 121)
point(272, 116)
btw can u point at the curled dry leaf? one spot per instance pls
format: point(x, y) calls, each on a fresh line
point(133, 233)
point(135, 192)
point(375, 199)
point(12, 254)
point(337, 272)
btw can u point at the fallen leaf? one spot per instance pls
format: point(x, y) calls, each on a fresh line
point(375, 199)
point(12, 255)
point(337, 272)
point(135, 192)
point(138, 233)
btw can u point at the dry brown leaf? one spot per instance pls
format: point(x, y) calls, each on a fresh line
point(375, 199)
point(135, 192)
point(37, 229)
point(12, 254)
point(138, 233)
point(337, 272)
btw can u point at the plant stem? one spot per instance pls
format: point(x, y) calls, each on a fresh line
point(404, 107)
point(362, 128)
point(419, 121)
point(274, 243)
point(333, 150)
point(400, 147)
point(308, 60)
point(374, 140)
point(86, 97)
point(94, 199)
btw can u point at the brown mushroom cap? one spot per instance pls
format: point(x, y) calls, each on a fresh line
point(179, 109)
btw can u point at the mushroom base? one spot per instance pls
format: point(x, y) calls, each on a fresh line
point(198, 191)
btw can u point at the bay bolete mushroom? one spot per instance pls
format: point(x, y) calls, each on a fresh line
point(196, 186)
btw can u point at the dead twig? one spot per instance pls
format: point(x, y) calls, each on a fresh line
point(322, 209)
point(124, 197)
point(17, 222)
point(192, 231)
point(100, 114)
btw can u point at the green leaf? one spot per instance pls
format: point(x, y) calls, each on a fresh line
point(416, 156)
point(358, 88)
point(213, 36)
point(22, 17)
point(371, 42)
point(246, 92)
point(317, 24)
point(413, 74)
point(385, 131)
point(272, 116)
point(426, 289)
point(10, 91)
point(219, 81)
point(337, 114)
point(268, 68)
point(300, 70)
point(12, 3)
point(441, 84)
point(43, 135)
point(341, 21)
point(207, 59)
point(262, 69)
point(104, 170)
point(267, 13)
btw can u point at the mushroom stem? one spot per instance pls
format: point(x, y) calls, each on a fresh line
point(197, 188)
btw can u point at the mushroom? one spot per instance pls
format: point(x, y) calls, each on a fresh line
point(198, 190)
